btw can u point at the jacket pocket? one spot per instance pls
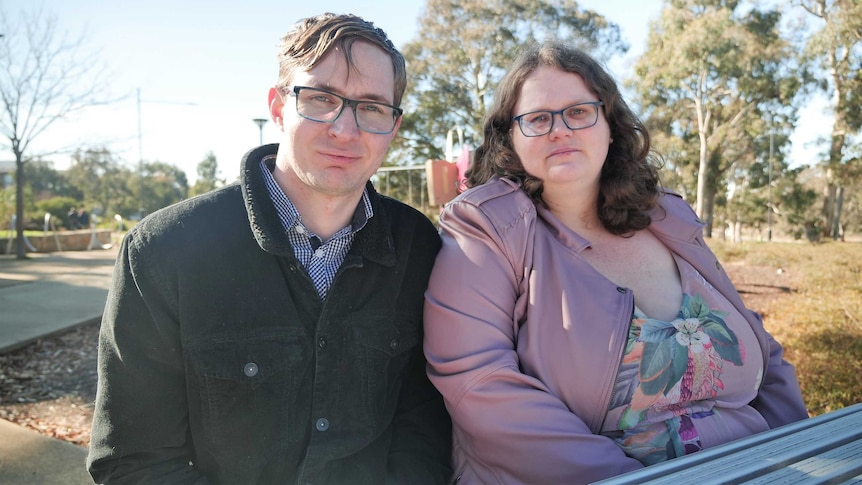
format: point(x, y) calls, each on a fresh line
point(245, 386)
point(385, 347)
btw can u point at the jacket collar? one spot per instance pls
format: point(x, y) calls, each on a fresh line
point(373, 242)
point(674, 219)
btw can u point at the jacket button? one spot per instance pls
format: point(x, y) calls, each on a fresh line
point(322, 424)
point(718, 265)
point(393, 344)
point(250, 370)
point(321, 342)
point(620, 289)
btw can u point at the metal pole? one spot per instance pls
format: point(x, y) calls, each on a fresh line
point(260, 122)
point(769, 203)
point(140, 159)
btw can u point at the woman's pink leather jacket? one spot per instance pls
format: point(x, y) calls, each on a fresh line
point(524, 339)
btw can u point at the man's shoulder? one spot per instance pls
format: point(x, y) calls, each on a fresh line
point(214, 211)
point(400, 212)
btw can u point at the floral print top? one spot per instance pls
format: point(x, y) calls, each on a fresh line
point(685, 385)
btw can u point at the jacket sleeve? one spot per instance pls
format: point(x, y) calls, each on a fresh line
point(140, 425)
point(509, 428)
point(421, 448)
point(779, 399)
point(422, 432)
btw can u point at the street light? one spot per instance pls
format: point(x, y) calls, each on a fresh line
point(260, 122)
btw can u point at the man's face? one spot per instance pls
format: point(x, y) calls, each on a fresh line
point(333, 160)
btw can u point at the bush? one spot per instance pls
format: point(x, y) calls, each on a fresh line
point(59, 208)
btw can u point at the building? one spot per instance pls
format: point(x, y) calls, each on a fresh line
point(7, 174)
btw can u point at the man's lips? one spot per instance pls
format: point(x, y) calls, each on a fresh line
point(340, 157)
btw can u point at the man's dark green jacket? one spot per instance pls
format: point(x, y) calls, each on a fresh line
point(218, 362)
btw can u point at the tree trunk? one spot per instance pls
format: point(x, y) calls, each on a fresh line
point(20, 250)
point(836, 213)
point(708, 210)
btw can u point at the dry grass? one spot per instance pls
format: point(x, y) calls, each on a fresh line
point(817, 316)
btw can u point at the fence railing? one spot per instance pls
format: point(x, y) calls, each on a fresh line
point(407, 184)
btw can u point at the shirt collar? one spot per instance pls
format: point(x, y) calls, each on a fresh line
point(287, 211)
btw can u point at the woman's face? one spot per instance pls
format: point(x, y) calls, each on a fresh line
point(563, 158)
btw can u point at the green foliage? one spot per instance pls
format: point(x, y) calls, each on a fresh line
point(105, 185)
point(462, 50)
point(59, 208)
point(711, 71)
point(7, 207)
point(834, 48)
point(207, 178)
point(163, 185)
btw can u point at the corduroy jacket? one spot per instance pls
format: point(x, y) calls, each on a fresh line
point(218, 362)
point(527, 346)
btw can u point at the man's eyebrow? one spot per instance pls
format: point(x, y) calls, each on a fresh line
point(363, 97)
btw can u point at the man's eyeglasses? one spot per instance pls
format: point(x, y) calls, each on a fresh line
point(576, 117)
point(324, 106)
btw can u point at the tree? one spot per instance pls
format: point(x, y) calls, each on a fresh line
point(836, 48)
point(104, 185)
point(43, 78)
point(207, 176)
point(712, 69)
point(462, 50)
point(164, 185)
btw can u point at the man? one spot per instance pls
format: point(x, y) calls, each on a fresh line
point(270, 331)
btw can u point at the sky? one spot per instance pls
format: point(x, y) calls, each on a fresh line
point(202, 70)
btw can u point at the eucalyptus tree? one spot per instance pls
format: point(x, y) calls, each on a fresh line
point(102, 181)
point(463, 48)
point(164, 184)
point(207, 179)
point(835, 47)
point(711, 70)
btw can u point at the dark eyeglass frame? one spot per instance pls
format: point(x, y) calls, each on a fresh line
point(345, 102)
point(552, 114)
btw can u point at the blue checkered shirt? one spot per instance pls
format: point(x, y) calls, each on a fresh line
point(321, 259)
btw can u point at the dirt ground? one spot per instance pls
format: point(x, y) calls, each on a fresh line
point(50, 385)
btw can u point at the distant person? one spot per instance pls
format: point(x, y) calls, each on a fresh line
point(576, 322)
point(270, 331)
point(74, 220)
point(83, 218)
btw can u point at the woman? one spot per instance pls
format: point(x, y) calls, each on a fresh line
point(576, 323)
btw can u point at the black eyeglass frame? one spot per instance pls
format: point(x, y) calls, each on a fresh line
point(552, 114)
point(345, 102)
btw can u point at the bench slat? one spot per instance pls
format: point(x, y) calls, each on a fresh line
point(825, 449)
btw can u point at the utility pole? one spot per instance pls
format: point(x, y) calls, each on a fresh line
point(141, 205)
point(769, 191)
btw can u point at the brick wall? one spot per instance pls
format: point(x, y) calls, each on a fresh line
point(68, 240)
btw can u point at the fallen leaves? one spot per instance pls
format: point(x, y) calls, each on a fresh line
point(50, 385)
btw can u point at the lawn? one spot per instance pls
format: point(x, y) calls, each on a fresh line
point(810, 296)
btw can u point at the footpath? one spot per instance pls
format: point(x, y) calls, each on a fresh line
point(47, 294)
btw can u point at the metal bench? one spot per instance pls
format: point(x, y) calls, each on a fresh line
point(823, 449)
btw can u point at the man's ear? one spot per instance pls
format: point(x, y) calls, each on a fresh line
point(397, 126)
point(276, 105)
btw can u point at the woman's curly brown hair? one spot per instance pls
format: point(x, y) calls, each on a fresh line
point(629, 180)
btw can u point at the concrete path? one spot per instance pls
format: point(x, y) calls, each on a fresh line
point(47, 294)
